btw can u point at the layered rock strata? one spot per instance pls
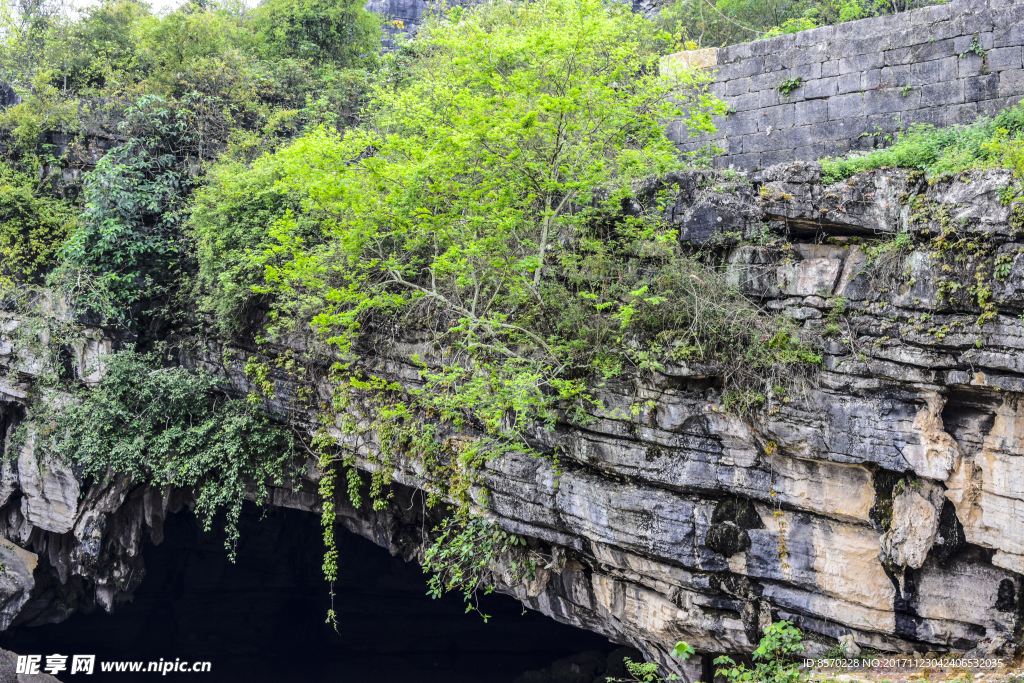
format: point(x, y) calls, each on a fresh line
point(882, 504)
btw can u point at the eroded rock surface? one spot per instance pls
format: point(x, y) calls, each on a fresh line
point(883, 506)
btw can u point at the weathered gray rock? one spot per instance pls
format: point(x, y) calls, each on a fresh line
point(50, 489)
point(16, 580)
point(869, 205)
point(674, 520)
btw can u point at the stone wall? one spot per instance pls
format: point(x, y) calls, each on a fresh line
point(862, 81)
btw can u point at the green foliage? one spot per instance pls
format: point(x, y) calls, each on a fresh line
point(774, 658)
point(852, 10)
point(987, 143)
point(683, 650)
point(713, 23)
point(643, 672)
point(78, 72)
point(230, 221)
point(46, 110)
point(177, 90)
point(169, 426)
point(647, 672)
point(794, 25)
point(319, 31)
point(974, 48)
point(104, 45)
point(835, 314)
point(33, 226)
point(789, 85)
point(467, 551)
point(127, 244)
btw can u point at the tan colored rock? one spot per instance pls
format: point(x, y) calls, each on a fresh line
point(849, 645)
point(915, 522)
point(836, 490)
point(645, 611)
point(89, 354)
point(840, 611)
point(840, 560)
point(937, 453)
point(811, 277)
point(677, 62)
point(988, 489)
point(964, 591)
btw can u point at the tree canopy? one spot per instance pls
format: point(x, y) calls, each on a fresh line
point(713, 23)
point(481, 206)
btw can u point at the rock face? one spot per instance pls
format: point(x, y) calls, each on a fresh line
point(881, 507)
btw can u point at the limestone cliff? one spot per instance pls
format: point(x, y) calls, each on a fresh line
point(882, 502)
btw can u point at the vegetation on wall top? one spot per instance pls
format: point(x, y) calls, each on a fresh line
point(989, 142)
point(714, 23)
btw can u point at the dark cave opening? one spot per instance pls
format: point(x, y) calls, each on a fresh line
point(262, 618)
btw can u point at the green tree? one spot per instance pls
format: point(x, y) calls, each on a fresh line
point(499, 202)
point(338, 31)
point(514, 125)
point(33, 226)
point(104, 49)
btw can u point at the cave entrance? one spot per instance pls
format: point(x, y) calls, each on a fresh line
point(262, 619)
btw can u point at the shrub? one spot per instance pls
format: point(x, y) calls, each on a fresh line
point(230, 223)
point(988, 142)
point(774, 658)
point(794, 25)
point(170, 426)
point(33, 226)
point(127, 242)
point(465, 554)
point(647, 672)
point(338, 31)
point(104, 48)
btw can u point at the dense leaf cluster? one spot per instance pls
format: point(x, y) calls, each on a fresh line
point(989, 142)
point(173, 92)
point(713, 23)
point(466, 553)
point(168, 426)
point(33, 225)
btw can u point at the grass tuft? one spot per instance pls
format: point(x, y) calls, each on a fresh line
point(987, 143)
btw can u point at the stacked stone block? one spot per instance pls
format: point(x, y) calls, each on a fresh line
point(862, 82)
